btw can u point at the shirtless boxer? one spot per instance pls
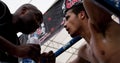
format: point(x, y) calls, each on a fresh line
point(76, 23)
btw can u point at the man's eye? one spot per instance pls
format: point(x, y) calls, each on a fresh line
point(67, 17)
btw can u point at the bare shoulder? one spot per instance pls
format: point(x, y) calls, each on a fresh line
point(83, 47)
point(82, 54)
point(83, 50)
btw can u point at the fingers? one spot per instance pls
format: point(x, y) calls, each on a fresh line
point(34, 52)
point(36, 46)
point(37, 60)
point(51, 58)
point(48, 57)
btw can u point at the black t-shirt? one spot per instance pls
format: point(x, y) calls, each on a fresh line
point(8, 32)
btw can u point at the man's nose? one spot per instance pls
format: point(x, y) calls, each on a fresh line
point(65, 24)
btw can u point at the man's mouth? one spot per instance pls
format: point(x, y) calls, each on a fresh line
point(68, 31)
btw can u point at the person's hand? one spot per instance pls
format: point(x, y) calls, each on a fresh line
point(48, 57)
point(29, 51)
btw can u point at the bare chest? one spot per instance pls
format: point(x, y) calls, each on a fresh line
point(104, 49)
point(106, 45)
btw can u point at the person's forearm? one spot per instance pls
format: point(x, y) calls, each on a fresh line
point(96, 13)
point(7, 46)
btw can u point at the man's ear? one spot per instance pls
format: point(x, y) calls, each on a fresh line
point(81, 15)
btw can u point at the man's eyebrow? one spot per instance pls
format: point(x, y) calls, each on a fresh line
point(67, 16)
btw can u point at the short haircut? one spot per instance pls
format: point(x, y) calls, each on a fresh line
point(76, 8)
point(34, 10)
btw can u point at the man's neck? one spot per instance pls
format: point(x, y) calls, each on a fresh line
point(85, 33)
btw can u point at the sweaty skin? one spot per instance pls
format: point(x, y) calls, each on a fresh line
point(105, 34)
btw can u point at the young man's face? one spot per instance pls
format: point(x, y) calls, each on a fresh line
point(72, 24)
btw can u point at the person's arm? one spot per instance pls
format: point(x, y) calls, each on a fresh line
point(99, 17)
point(7, 46)
point(48, 57)
point(24, 51)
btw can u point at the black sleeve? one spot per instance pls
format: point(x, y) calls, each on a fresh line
point(5, 14)
point(2, 9)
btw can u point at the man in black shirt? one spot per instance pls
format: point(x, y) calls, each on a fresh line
point(26, 20)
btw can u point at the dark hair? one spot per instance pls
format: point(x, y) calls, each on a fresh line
point(76, 8)
point(37, 13)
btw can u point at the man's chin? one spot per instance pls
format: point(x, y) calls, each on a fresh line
point(73, 35)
